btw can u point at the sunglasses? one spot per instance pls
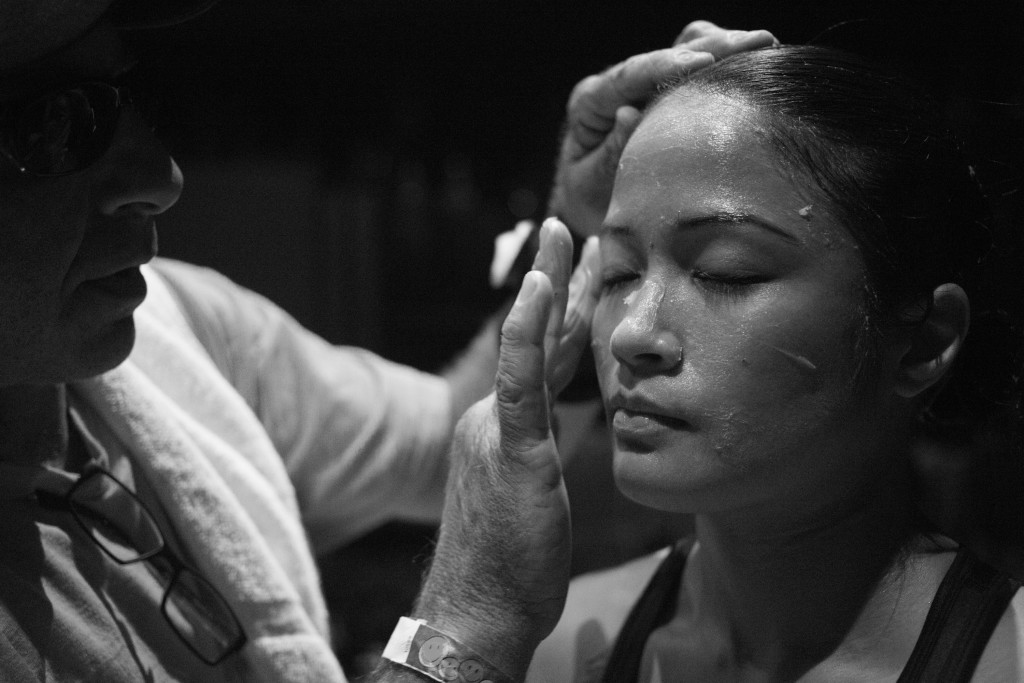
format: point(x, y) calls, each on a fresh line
point(64, 131)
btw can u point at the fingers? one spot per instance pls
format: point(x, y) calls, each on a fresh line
point(594, 101)
point(584, 292)
point(603, 112)
point(607, 155)
point(704, 36)
point(727, 43)
point(554, 259)
point(520, 385)
point(696, 29)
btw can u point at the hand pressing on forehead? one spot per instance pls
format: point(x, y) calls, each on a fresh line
point(604, 109)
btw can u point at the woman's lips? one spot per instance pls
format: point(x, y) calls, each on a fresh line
point(630, 424)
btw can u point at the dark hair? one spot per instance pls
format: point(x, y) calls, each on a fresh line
point(880, 148)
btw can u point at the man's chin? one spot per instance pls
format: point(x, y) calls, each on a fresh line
point(105, 351)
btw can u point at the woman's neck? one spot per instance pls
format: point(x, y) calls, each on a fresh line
point(782, 596)
point(34, 424)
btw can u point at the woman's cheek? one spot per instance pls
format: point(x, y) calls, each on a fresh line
point(792, 359)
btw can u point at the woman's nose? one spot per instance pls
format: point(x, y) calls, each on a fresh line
point(639, 340)
point(140, 175)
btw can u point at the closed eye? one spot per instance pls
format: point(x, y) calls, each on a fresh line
point(611, 281)
point(726, 284)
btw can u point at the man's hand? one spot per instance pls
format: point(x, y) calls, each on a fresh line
point(603, 111)
point(501, 567)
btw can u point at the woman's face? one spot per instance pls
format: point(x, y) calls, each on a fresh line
point(730, 332)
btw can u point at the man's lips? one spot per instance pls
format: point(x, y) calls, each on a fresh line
point(126, 288)
point(136, 247)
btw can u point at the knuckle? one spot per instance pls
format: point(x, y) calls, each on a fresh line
point(695, 29)
point(590, 83)
point(513, 334)
point(507, 389)
point(624, 69)
point(584, 91)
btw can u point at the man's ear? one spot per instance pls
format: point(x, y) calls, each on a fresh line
point(936, 341)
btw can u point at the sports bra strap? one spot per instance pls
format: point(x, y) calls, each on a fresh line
point(967, 608)
point(968, 605)
point(653, 609)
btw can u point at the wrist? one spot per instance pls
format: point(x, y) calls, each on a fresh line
point(498, 633)
point(495, 641)
point(387, 671)
point(417, 645)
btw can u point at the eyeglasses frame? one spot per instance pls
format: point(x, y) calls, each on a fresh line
point(64, 501)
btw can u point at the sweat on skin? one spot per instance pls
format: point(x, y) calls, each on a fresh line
point(733, 312)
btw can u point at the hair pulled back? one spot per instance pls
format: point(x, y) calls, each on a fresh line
point(881, 150)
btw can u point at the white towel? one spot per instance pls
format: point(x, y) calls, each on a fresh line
point(225, 489)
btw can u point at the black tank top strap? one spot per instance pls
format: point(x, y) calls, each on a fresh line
point(967, 608)
point(653, 609)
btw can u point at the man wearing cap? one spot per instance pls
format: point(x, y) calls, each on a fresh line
point(174, 448)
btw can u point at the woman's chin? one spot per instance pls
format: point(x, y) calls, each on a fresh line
point(673, 482)
point(655, 493)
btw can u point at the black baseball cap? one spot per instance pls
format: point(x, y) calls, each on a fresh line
point(31, 29)
point(155, 13)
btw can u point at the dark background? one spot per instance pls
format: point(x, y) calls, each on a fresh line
point(354, 160)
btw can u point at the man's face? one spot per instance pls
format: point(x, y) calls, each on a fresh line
point(71, 246)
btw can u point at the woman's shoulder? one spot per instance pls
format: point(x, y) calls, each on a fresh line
point(595, 609)
point(1003, 658)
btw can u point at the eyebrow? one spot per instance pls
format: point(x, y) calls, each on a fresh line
point(711, 220)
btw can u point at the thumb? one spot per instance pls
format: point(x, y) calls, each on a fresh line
point(584, 292)
point(521, 393)
point(608, 154)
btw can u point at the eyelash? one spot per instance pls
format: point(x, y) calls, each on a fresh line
point(720, 285)
point(725, 285)
point(613, 281)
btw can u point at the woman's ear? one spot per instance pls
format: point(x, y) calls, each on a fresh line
point(936, 341)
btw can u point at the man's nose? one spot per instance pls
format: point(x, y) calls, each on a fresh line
point(139, 173)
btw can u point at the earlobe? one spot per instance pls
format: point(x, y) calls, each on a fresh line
point(936, 341)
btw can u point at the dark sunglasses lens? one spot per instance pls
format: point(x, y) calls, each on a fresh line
point(114, 517)
point(201, 617)
point(66, 131)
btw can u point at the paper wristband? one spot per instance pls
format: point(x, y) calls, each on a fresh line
point(439, 656)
